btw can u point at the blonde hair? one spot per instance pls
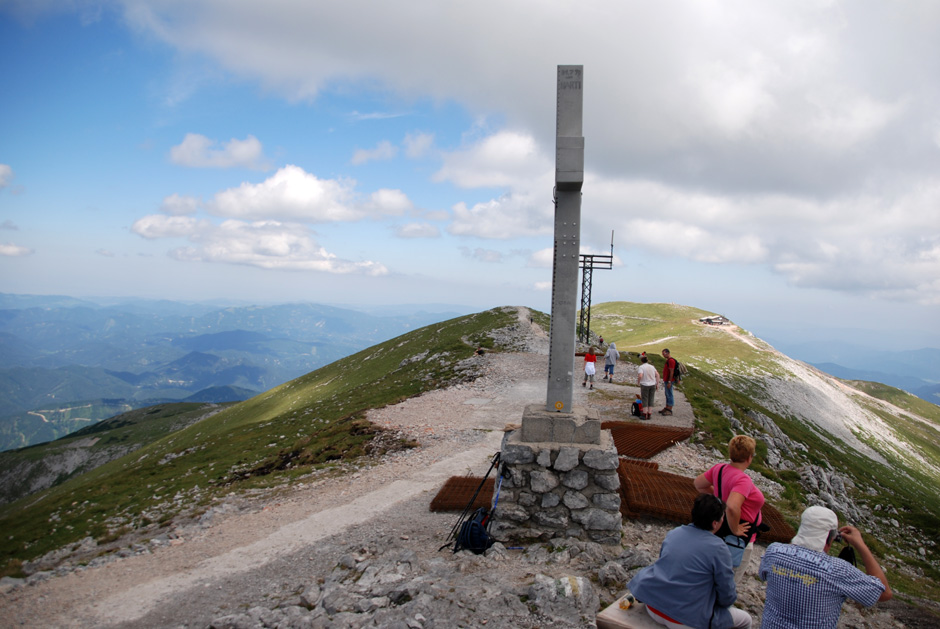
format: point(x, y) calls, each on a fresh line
point(741, 447)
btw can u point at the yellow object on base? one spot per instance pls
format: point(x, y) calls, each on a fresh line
point(633, 616)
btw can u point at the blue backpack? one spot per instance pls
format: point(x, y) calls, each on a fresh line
point(474, 535)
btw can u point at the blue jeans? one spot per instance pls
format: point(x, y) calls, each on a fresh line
point(667, 387)
point(736, 546)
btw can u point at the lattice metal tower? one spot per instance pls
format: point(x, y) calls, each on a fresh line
point(589, 262)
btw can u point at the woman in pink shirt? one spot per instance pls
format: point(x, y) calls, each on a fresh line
point(743, 500)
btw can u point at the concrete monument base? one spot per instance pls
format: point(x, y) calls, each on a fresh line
point(579, 426)
point(559, 479)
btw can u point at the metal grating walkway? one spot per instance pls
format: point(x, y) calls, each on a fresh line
point(644, 490)
point(642, 441)
point(458, 490)
point(649, 492)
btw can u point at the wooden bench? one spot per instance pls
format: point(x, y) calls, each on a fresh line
point(634, 618)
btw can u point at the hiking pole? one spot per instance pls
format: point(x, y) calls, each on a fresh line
point(469, 507)
point(463, 516)
point(489, 517)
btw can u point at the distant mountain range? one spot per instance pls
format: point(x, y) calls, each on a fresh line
point(59, 354)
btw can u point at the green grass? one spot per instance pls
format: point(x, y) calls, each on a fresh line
point(723, 367)
point(308, 423)
point(901, 399)
point(104, 441)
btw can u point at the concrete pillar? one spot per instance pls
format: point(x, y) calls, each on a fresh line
point(569, 177)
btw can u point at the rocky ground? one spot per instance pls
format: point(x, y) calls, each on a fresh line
point(362, 549)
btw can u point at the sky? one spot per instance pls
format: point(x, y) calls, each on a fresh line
point(778, 163)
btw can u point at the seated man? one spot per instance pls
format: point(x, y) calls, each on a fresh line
point(806, 587)
point(692, 582)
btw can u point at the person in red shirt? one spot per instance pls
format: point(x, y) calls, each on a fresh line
point(590, 367)
point(669, 378)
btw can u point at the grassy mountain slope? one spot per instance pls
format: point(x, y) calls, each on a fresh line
point(840, 414)
point(309, 423)
point(34, 468)
point(889, 452)
point(315, 423)
point(57, 420)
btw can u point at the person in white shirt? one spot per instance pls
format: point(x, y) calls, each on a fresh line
point(647, 379)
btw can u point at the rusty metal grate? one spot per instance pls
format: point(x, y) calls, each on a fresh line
point(649, 492)
point(648, 464)
point(458, 490)
point(643, 441)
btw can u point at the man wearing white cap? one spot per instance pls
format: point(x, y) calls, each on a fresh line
point(806, 587)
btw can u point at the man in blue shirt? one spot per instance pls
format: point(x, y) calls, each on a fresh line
point(692, 582)
point(806, 587)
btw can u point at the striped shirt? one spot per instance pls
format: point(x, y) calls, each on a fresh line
point(806, 588)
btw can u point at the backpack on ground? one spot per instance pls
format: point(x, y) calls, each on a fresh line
point(474, 533)
point(637, 409)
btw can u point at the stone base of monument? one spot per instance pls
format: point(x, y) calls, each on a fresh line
point(559, 479)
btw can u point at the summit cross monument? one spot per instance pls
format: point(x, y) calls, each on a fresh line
point(569, 177)
point(559, 469)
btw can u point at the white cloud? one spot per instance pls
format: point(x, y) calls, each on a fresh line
point(291, 194)
point(179, 205)
point(843, 121)
point(264, 244)
point(162, 226)
point(503, 160)
point(6, 175)
point(418, 145)
point(374, 115)
point(734, 95)
point(418, 230)
point(14, 251)
point(10, 225)
point(886, 247)
point(714, 94)
point(198, 151)
point(542, 259)
point(482, 255)
point(543, 286)
point(105, 253)
point(510, 216)
point(436, 215)
point(387, 202)
point(385, 150)
point(265, 222)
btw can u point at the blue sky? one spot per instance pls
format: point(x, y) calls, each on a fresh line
point(779, 165)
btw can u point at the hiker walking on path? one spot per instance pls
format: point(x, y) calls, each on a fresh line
point(647, 378)
point(806, 586)
point(590, 368)
point(692, 582)
point(610, 361)
point(669, 378)
point(743, 500)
